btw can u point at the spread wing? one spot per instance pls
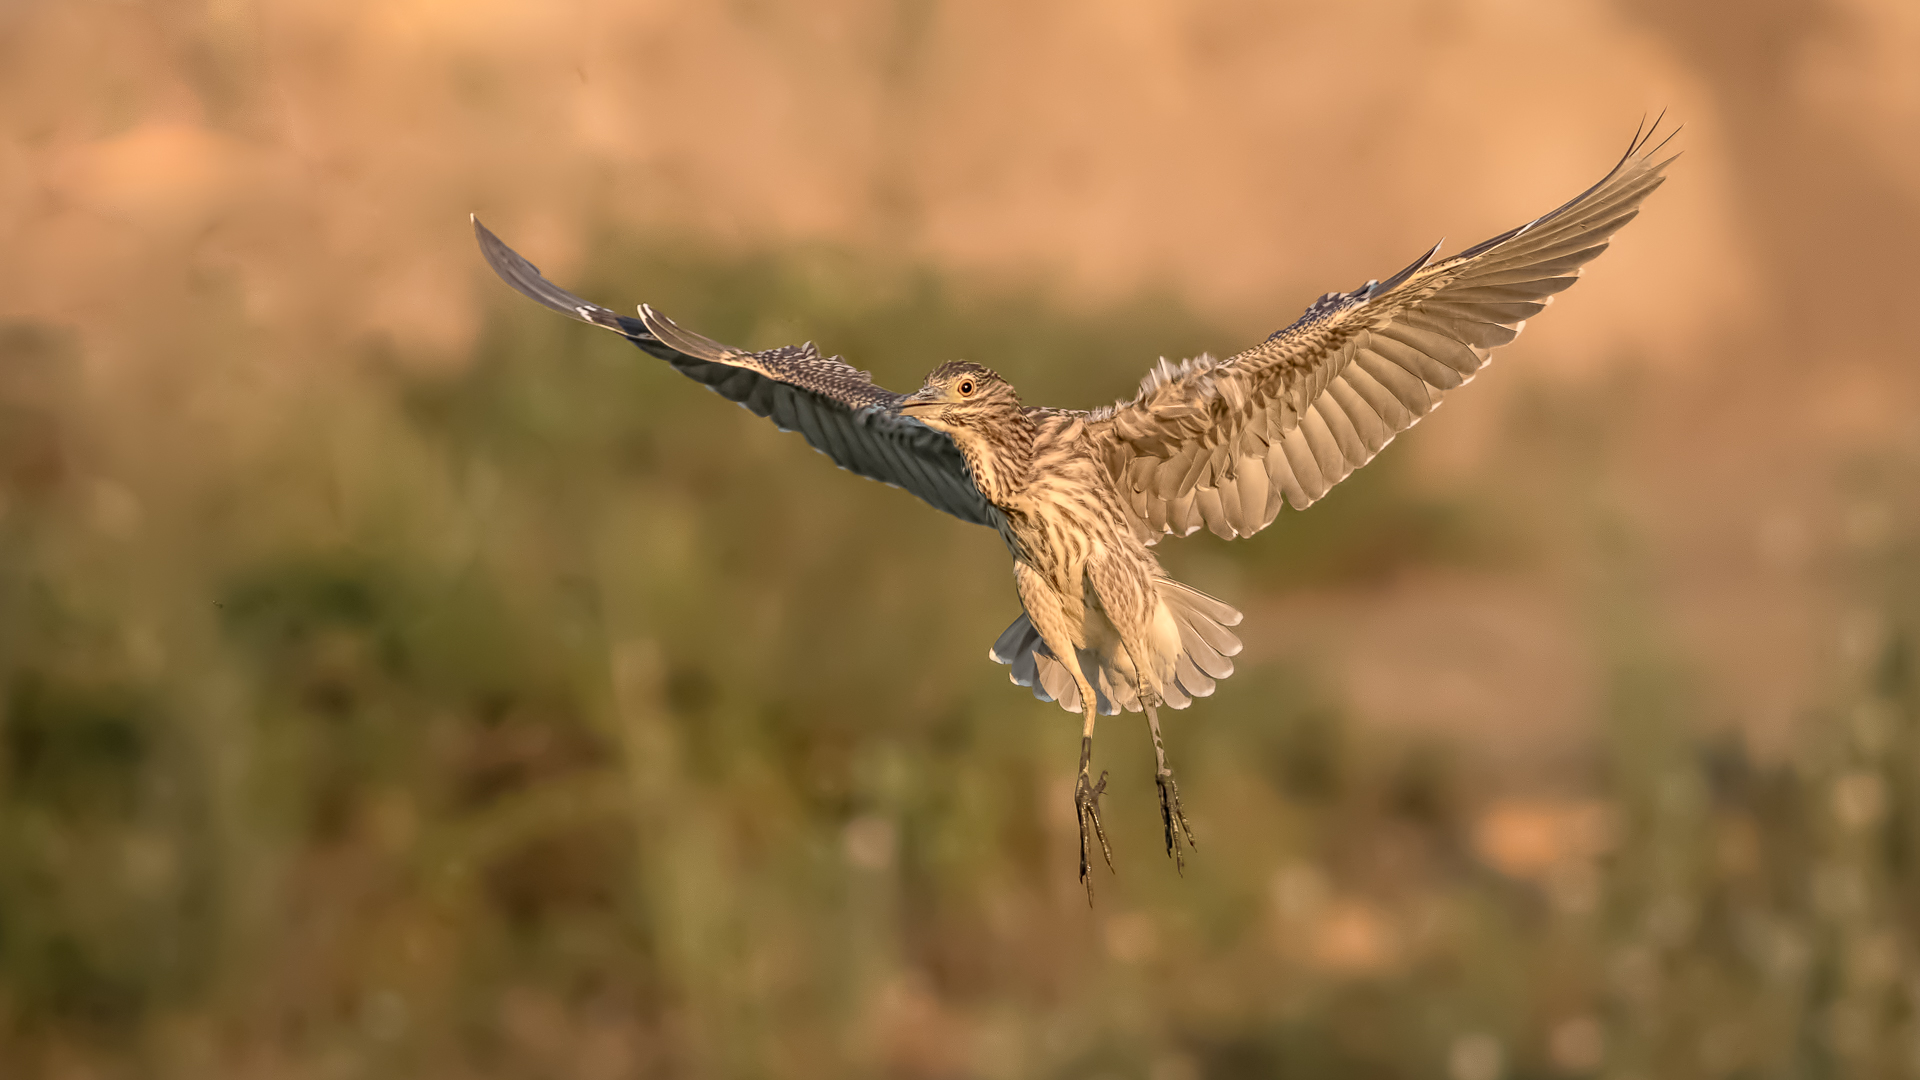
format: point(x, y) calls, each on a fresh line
point(1225, 443)
point(838, 408)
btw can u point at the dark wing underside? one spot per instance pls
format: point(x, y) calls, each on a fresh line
point(838, 408)
point(1226, 443)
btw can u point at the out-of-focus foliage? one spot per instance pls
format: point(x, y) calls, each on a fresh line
point(565, 721)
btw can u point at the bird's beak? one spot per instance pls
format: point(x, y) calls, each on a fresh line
point(923, 399)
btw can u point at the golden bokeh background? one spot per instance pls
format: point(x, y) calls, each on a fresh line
point(399, 680)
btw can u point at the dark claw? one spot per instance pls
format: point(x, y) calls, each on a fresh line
point(1175, 819)
point(1086, 806)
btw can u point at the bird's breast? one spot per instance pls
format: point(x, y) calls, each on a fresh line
point(1065, 517)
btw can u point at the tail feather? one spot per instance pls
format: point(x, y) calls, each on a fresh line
point(1191, 678)
point(1194, 670)
point(1213, 609)
point(1013, 642)
point(1206, 651)
point(1035, 666)
point(1058, 682)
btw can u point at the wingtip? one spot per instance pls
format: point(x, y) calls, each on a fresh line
point(1662, 144)
point(1643, 145)
point(525, 278)
point(494, 248)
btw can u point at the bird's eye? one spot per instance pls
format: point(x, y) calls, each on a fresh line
point(966, 387)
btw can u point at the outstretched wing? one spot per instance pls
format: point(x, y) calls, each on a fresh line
point(839, 409)
point(1225, 443)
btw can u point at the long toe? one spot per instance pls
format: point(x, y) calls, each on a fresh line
point(1086, 806)
point(1179, 834)
point(1093, 811)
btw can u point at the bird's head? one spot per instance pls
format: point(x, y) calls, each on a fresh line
point(961, 395)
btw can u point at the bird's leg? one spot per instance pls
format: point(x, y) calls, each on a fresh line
point(1086, 802)
point(1175, 820)
point(1178, 831)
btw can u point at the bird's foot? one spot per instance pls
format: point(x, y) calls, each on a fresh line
point(1179, 833)
point(1086, 806)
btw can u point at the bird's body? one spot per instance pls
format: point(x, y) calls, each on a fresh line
point(1086, 579)
point(1080, 496)
point(1082, 574)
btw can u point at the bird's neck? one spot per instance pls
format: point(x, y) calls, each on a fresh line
point(999, 456)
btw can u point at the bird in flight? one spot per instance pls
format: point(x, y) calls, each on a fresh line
point(1081, 496)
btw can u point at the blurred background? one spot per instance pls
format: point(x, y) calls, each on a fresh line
point(399, 680)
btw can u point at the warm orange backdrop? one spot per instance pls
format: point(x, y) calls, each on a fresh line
point(245, 224)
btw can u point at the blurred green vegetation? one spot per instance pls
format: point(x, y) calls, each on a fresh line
point(554, 719)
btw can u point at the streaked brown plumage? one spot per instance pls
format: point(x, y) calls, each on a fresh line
point(1080, 496)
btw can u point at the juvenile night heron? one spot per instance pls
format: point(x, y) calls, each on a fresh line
point(1080, 497)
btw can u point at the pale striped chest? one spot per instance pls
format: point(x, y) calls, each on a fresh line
point(1067, 514)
